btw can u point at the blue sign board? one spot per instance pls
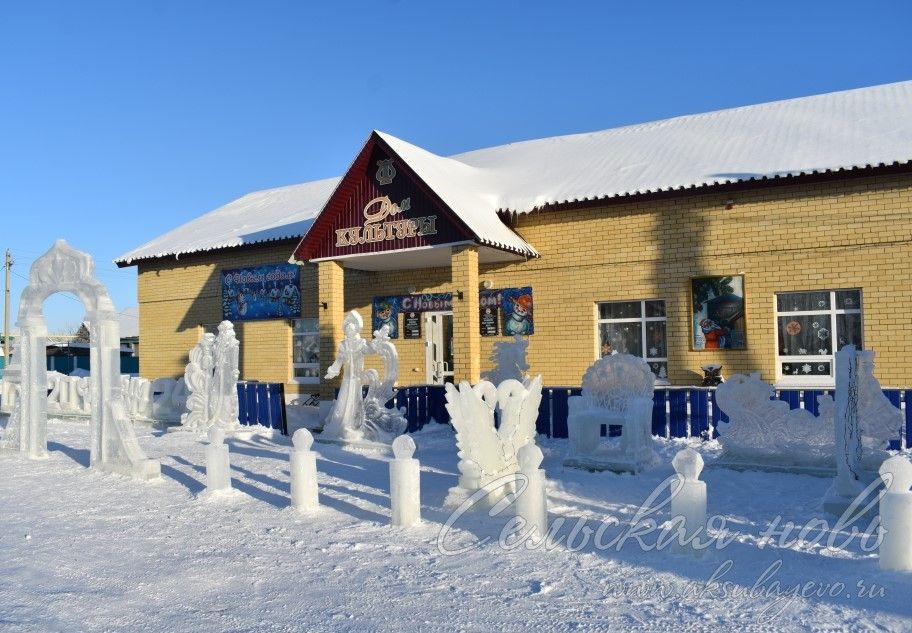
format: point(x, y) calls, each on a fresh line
point(263, 292)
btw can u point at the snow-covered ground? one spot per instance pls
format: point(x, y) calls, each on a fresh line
point(82, 551)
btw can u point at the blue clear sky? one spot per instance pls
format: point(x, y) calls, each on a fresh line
point(121, 120)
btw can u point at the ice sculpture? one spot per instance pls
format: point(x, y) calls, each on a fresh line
point(382, 423)
point(847, 485)
point(405, 483)
point(69, 395)
point(304, 491)
point(617, 390)
point(354, 417)
point(896, 514)
point(488, 454)
point(9, 385)
point(171, 400)
point(138, 396)
point(688, 500)
point(218, 462)
point(509, 358)
point(531, 503)
point(211, 377)
point(763, 432)
point(114, 447)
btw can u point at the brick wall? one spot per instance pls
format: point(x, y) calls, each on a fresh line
point(850, 233)
point(178, 297)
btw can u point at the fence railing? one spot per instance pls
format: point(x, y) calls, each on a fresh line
point(262, 403)
point(676, 412)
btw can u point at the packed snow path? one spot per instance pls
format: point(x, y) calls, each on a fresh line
point(85, 551)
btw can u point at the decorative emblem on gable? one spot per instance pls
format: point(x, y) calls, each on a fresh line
point(385, 171)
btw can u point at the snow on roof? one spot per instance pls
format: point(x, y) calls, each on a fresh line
point(829, 132)
point(262, 216)
point(456, 184)
point(129, 322)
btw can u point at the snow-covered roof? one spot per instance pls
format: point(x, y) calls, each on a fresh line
point(129, 322)
point(830, 132)
point(262, 216)
point(456, 184)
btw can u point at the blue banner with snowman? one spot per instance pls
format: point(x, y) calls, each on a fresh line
point(262, 292)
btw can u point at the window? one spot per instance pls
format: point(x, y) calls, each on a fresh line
point(635, 327)
point(306, 350)
point(811, 327)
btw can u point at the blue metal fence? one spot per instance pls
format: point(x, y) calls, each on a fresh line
point(262, 403)
point(676, 412)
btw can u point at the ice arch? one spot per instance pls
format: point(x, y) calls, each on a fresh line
point(113, 444)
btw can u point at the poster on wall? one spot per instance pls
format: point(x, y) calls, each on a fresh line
point(489, 312)
point(411, 325)
point(262, 292)
point(386, 312)
point(718, 312)
point(516, 308)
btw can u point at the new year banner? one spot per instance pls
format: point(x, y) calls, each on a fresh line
point(264, 292)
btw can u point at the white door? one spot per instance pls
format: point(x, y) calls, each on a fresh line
point(438, 332)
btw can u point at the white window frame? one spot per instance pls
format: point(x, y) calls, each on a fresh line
point(791, 380)
point(304, 380)
point(642, 320)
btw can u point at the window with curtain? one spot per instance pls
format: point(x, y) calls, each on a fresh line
point(306, 351)
point(637, 328)
point(811, 327)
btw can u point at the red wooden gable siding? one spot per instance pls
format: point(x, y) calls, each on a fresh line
point(345, 209)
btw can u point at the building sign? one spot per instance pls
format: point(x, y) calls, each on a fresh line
point(378, 228)
point(489, 312)
point(411, 325)
point(263, 292)
point(516, 307)
point(379, 206)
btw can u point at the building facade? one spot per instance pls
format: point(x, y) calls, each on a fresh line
point(757, 255)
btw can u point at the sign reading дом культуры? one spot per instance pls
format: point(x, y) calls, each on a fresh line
point(271, 291)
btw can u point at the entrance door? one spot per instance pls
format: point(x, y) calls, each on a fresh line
point(438, 328)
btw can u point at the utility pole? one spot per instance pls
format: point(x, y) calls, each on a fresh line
point(8, 265)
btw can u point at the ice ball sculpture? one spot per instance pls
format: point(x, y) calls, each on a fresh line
point(617, 390)
point(688, 499)
point(896, 514)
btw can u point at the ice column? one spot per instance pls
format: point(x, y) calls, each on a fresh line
point(688, 498)
point(896, 515)
point(218, 474)
point(405, 483)
point(304, 496)
point(531, 504)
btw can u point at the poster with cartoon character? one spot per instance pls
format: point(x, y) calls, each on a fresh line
point(516, 308)
point(262, 292)
point(718, 312)
point(386, 312)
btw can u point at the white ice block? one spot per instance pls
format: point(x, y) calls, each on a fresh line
point(218, 463)
point(689, 499)
point(896, 515)
point(531, 504)
point(405, 483)
point(304, 490)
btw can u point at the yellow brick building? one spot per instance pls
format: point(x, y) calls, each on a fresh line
point(612, 231)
